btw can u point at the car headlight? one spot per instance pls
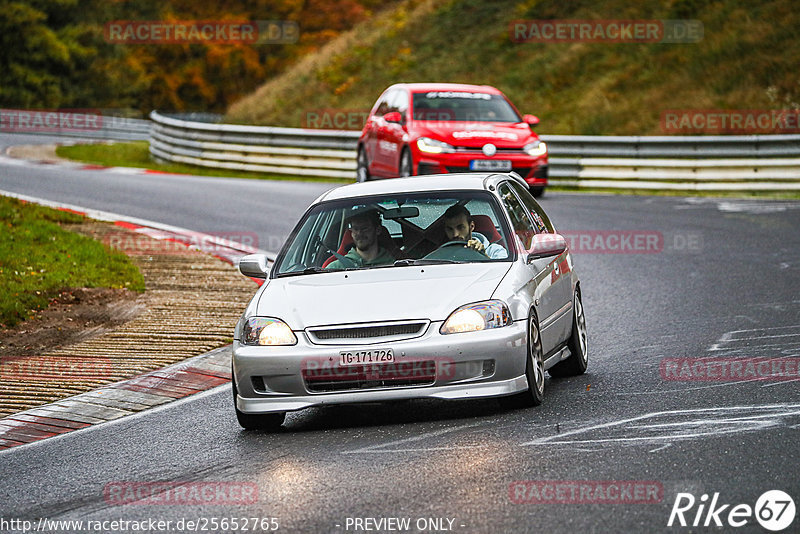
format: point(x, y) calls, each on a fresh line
point(432, 146)
point(267, 331)
point(478, 316)
point(537, 148)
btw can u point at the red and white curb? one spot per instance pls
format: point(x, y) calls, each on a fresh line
point(130, 171)
point(108, 403)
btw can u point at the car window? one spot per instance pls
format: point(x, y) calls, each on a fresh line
point(391, 103)
point(539, 217)
point(407, 226)
point(400, 102)
point(523, 227)
point(463, 106)
point(383, 104)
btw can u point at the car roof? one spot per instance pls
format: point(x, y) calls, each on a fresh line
point(478, 181)
point(448, 87)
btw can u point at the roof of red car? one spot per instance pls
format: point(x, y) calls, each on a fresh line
point(448, 87)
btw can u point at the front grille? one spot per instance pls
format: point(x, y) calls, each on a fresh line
point(479, 150)
point(367, 333)
point(371, 376)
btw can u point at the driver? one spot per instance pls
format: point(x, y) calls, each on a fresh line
point(459, 226)
point(366, 252)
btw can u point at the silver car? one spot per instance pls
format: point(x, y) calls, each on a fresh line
point(445, 287)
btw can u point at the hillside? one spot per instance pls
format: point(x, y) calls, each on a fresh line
point(747, 59)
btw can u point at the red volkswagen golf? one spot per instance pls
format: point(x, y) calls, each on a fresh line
point(426, 128)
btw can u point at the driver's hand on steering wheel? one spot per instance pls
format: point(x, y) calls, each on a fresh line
point(475, 244)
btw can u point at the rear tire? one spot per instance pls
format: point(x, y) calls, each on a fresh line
point(534, 371)
point(249, 421)
point(578, 345)
point(362, 166)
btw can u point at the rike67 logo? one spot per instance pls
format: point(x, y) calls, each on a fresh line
point(774, 510)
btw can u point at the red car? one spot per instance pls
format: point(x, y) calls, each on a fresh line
point(434, 128)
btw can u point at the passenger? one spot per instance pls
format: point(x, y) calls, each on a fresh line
point(366, 251)
point(459, 226)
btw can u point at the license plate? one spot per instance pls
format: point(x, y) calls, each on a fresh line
point(360, 357)
point(490, 165)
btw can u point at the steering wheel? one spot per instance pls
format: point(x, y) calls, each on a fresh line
point(449, 251)
point(453, 243)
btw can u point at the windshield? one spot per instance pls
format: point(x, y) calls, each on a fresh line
point(396, 231)
point(463, 106)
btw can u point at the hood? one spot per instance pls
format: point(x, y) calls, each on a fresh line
point(384, 294)
point(473, 134)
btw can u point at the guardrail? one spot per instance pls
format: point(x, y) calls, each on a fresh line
point(715, 163)
point(74, 124)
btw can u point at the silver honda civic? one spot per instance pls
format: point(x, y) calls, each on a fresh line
point(445, 287)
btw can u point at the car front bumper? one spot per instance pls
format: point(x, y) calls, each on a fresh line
point(489, 363)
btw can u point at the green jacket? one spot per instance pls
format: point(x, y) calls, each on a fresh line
point(355, 260)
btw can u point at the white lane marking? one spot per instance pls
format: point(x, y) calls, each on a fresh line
point(113, 217)
point(661, 448)
point(377, 448)
point(698, 423)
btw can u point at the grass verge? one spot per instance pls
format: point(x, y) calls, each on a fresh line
point(38, 258)
point(137, 154)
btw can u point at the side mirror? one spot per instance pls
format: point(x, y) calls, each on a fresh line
point(254, 266)
point(393, 116)
point(532, 120)
point(545, 246)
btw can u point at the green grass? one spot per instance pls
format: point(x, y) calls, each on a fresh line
point(38, 258)
point(136, 154)
point(747, 59)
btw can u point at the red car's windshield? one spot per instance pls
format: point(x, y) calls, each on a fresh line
point(462, 106)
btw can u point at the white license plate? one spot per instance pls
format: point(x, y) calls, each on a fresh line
point(490, 165)
point(360, 357)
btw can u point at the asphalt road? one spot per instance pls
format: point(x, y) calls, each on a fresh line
point(723, 284)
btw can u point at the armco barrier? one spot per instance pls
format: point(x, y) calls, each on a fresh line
point(101, 126)
point(714, 163)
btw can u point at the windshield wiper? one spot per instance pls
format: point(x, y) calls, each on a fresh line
point(307, 270)
point(423, 261)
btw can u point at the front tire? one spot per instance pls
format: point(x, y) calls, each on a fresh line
point(537, 192)
point(362, 166)
point(534, 371)
point(578, 345)
point(249, 421)
point(406, 165)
